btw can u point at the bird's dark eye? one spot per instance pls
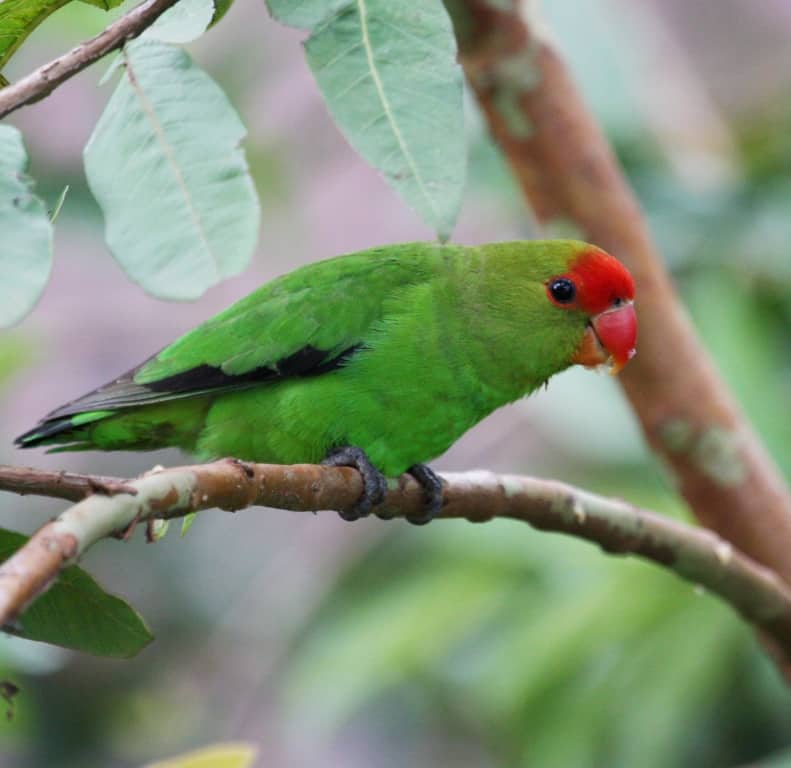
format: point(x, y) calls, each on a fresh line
point(562, 290)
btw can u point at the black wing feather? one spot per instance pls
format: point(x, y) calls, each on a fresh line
point(124, 392)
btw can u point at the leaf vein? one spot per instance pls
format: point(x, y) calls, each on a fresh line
point(338, 56)
point(362, 10)
point(170, 156)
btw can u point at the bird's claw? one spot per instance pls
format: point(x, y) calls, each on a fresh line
point(375, 485)
point(374, 482)
point(429, 481)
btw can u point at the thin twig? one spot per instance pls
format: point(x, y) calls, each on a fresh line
point(59, 485)
point(567, 170)
point(694, 554)
point(46, 78)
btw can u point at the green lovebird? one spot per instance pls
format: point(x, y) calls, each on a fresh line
point(379, 360)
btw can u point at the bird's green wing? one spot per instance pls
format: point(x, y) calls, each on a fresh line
point(304, 323)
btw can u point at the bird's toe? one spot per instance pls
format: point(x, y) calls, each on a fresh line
point(431, 484)
point(374, 482)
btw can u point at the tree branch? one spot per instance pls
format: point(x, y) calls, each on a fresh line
point(567, 169)
point(697, 555)
point(42, 81)
point(58, 485)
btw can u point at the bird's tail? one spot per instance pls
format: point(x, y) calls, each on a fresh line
point(142, 428)
point(72, 433)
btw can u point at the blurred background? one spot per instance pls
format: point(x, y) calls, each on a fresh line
point(380, 644)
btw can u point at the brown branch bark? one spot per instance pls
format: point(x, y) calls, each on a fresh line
point(567, 169)
point(59, 485)
point(619, 528)
point(46, 78)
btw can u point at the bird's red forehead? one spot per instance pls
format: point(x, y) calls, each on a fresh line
point(600, 279)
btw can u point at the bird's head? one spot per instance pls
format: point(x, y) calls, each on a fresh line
point(600, 288)
point(555, 303)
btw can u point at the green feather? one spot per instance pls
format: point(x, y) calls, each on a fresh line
point(398, 350)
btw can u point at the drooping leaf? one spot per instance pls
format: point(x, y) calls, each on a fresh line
point(182, 23)
point(26, 252)
point(230, 755)
point(77, 613)
point(165, 165)
point(388, 72)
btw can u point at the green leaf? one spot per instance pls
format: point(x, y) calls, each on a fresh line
point(77, 613)
point(182, 23)
point(165, 165)
point(220, 9)
point(18, 18)
point(388, 72)
point(26, 253)
point(307, 14)
point(187, 522)
point(231, 755)
point(104, 4)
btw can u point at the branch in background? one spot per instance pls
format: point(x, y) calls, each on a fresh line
point(567, 169)
point(619, 528)
point(58, 485)
point(42, 81)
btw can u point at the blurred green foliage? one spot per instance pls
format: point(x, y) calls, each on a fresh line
point(219, 756)
point(15, 353)
point(547, 651)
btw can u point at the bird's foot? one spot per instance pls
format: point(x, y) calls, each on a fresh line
point(429, 481)
point(374, 482)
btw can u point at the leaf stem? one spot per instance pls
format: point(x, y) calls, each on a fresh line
point(42, 81)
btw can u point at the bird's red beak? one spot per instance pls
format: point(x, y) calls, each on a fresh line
point(611, 337)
